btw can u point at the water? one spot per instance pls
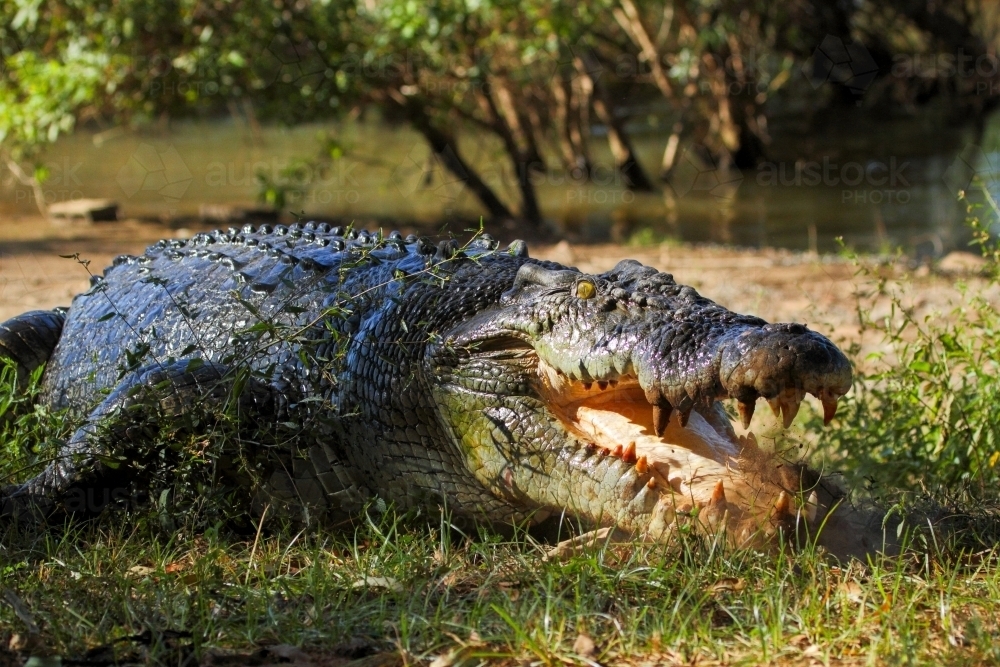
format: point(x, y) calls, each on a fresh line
point(877, 187)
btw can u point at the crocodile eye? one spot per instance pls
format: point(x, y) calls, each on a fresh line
point(586, 290)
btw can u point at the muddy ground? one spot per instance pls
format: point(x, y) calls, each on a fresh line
point(774, 284)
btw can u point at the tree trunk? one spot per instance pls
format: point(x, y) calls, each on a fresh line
point(671, 152)
point(572, 145)
point(621, 146)
point(629, 18)
point(520, 156)
point(31, 182)
point(519, 126)
point(445, 147)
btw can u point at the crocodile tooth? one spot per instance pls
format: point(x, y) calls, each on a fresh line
point(746, 412)
point(661, 417)
point(651, 484)
point(628, 456)
point(791, 400)
point(781, 505)
point(829, 408)
point(775, 405)
point(603, 384)
point(789, 409)
point(642, 465)
point(749, 442)
point(685, 416)
point(811, 506)
point(719, 493)
point(617, 451)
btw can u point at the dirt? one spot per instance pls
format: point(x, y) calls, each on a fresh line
point(776, 285)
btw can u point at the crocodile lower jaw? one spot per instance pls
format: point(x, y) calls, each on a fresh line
point(699, 464)
point(688, 460)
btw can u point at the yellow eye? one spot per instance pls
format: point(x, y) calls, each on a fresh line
point(585, 289)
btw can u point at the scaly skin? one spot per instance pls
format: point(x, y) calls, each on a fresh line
point(425, 377)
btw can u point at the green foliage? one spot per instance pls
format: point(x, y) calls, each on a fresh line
point(925, 414)
point(648, 237)
point(30, 434)
point(40, 97)
point(529, 72)
point(291, 185)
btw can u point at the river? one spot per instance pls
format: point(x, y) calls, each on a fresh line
point(878, 187)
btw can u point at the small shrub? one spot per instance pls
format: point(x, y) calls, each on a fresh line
point(927, 414)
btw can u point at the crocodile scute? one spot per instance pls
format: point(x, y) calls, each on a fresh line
point(462, 375)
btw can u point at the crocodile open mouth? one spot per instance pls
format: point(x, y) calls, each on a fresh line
point(701, 462)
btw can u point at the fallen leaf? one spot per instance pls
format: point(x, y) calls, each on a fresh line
point(446, 659)
point(727, 585)
point(21, 643)
point(141, 570)
point(812, 651)
point(852, 590)
point(584, 646)
point(388, 583)
point(175, 567)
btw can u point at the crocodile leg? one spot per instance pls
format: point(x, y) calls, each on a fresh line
point(29, 340)
point(190, 395)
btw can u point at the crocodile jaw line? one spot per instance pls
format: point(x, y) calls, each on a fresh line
point(685, 459)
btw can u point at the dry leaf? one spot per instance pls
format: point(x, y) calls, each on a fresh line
point(175, 567)
point(727, 585)
point(446, 659)
point(812, 651)
point(388, 583)
point(141, 570)
point(584, 646)
point(852, 590)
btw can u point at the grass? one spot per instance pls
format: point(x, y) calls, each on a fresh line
point(422, 594)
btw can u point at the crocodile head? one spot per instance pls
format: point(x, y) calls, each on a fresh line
point(599, 396)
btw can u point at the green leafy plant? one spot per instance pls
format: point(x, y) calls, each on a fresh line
point(925, 413)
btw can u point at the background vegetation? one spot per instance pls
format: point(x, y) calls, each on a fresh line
point(537, 76)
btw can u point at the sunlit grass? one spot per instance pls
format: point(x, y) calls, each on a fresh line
point(422, 593)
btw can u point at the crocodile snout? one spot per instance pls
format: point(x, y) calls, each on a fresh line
point(782, 363)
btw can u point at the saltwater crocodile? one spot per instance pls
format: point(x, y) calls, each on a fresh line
point(472, 377)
